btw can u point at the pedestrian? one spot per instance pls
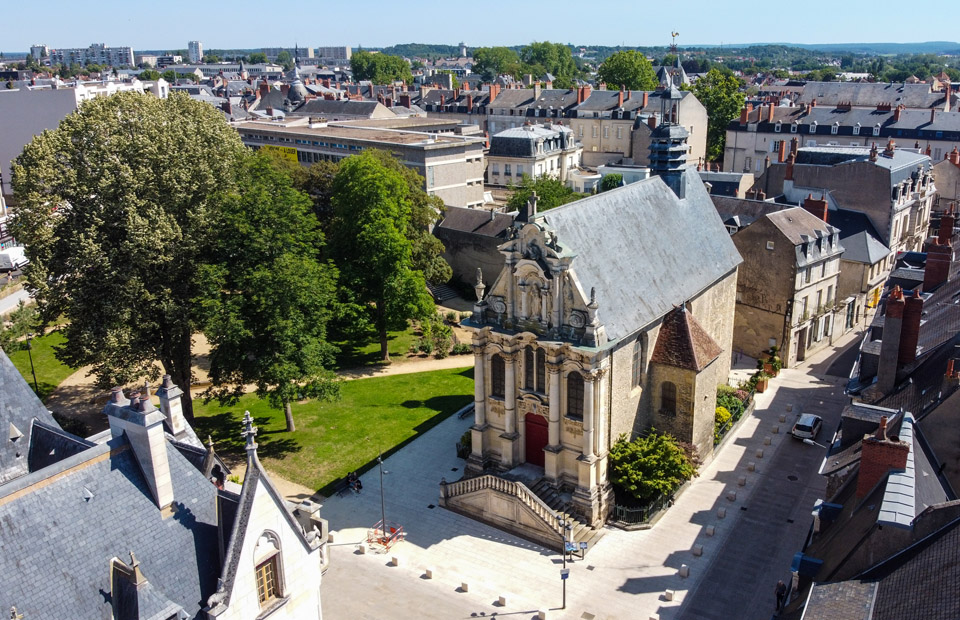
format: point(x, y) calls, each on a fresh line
point(781, 595)
point(354, 482)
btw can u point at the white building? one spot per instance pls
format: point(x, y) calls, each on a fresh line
point(335, 53)
point(97, 53)
point(39, 51)
point(534, 150)
point(195, 51)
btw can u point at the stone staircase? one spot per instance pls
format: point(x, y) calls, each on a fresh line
point(442, 292)
point(560, 503)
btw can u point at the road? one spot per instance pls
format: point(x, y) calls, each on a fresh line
point(9, 303)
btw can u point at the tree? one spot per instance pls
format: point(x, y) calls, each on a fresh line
point(493, 61)
point(629, 69)
point(380, 68)
point(720, 94)
point(284, 59)
point(649, 467)
point(611, 181)
point(267, 295)
point(149, 75)
point(550, 193)
point(23, 320)
point(210, 59)
point(116, 208)
point(257, 58)
point(169, 75)
point(371, 213)
point(546, 57)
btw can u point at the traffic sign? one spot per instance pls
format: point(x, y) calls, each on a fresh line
point(571, 547)
point(564, 573)
point(583, 546)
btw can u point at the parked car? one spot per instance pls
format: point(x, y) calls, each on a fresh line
point(807, 426)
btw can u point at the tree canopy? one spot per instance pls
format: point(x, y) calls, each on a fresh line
point(490, 62)
point(550, 193)
point(372, 212)
point(149, 75)
point(720, 94)
point(267, 294)
point(257, 58)
point(546, 57)
point(380, 68)
point(629, 69)
point(611, 181)
point(648, 467)
point(117, 208)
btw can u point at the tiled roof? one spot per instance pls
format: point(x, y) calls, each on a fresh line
point(683, 343)
point(846, 600)
point(796, 223)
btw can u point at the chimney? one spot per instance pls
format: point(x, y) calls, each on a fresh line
point(770, 113)
point(782, 153)
point(878, 457)
point(169, 395)
point(269, 111)
point(142, 423)
point(264, 89)
point(586, 92)
point(890, 342)
point(536, 90)
point(627, 97)
point(579, 95)
point(469, 104)
point(652, 121)
point(891, 148)
point(946, 105)
point(466, 86)
point(815, 206)
point(405, 100)
point(947, 221)
point(226, 107)
point(791, 160)
point(326, 83)
point(646, 98)
point(933, 115)
point(955, 157)
point(813, 103)
point(794, 144)
point(529, 212)
point(873, 152)
point(910, 329)
point(927, 150)
point(896, 113)
point(620, 98)
point(744, 115)
point(494, 91)
point(939, 258)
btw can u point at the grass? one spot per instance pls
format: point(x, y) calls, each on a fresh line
point(333, 439)
point(50, 371)
point(365, 349)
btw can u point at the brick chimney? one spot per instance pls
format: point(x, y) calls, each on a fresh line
point(284, 88)
point(652, 121)
point(469, 104)
point(587, 89)
point(326, 83)
point(627, 96)
point(794, 144)
point(405, 100)
point(782, 152)
point(791, 160)
point(494, 91)
point(878, 457)
point(891, 148)
point(813, 103)
point(620, 98)
point(646, 99)
point(890, 342)
point(770, 109)
point(955, 157)
point(910, 329)
point(896, 113)
point(939, 258)
point(226, 107)
point(264, 89)
point(947, 222)
point(269, 111)
point(142, 423)
point(744, 115)
point(815, 206)
point(873, 152)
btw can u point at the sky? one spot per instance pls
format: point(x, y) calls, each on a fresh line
point(378, 23)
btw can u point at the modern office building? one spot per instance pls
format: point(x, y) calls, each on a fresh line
point(195, 51)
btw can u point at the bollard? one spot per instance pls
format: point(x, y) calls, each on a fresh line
point(732, 496)
point(775, 430)
point(742, 481)
point(759, 454)
point(464, 587)
point(395, 561)
point(766, 440)
point(710, 531)
point(502, 601)
point(668, 595)
point(428, 573)
point(697, 550)
point(684, 571)
point(542, 614)
point(362, 548)
point(783, 418)
point(721, 513)
point(751, 466)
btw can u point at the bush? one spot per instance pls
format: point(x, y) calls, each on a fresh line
point(461, 348)
point(720, 419)
point(651, 466)
point(466, 440)
point(451, 316)
point(728, 399)
point(465, 315)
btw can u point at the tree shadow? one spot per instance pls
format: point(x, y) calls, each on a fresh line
point(225, 428)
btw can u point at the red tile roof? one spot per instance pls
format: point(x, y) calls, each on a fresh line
point(684, 343)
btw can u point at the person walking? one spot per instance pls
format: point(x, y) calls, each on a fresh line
point(781, 592)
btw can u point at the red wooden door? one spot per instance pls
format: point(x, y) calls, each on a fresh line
point(537, 434)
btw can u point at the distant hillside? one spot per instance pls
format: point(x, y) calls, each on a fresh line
point(928, 47)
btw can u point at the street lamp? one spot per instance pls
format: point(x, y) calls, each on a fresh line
point(564, 573)
point(811, 442)
point(30, 355)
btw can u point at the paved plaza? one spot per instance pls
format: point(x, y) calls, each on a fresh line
point(627, 574)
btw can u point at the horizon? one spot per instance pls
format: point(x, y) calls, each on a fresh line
point(383, 24)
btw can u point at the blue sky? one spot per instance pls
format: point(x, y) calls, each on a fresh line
point(375, 23)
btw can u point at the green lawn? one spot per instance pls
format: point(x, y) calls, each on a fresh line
point(365, 349)
point(50, 372)
point(333, 439)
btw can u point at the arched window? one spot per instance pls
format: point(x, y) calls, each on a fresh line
point(639, 358)
point(575, 395)
point(269, 568)
point(668, 398)
point(528, 369)
point(497, 376)
point(541, 370)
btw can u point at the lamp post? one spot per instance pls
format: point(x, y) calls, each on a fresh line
point(811, 442)
point(564, 573)
point(30, 355)
point(383, 511)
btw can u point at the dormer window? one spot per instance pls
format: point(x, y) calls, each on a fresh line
point(776, 128)
point(876, 129)
point(856, 129)
point(793, 128)
point(835, 128)
point(813, 127)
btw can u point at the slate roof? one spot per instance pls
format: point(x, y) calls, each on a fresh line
point(476, 221)
point(606, 100)
point(683, 343)
point(19, 407)
point(644, 249)
point(327, 107)
point(799, 225)
point(870, 94)
point(846, 600)
point(851, 223)
point(862, 247)
point(748, 211)
point(523, 97)
point(57, 543)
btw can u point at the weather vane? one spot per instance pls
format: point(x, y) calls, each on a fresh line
point(673, 41)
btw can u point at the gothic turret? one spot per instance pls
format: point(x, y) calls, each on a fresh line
point(668, 143)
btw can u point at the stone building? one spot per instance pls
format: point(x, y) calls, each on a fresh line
point(612, 315)
point(534, 150)
point(139, 521)
point(787, 287)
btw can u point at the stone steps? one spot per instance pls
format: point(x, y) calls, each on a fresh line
point(442, 292)
point(559, 502)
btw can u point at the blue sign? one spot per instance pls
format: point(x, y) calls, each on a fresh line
point(583, 546)
point(564, 573)
point(571, 547)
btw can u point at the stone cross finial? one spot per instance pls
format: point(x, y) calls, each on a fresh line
point(249, 431)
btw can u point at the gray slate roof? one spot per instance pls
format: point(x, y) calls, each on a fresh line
point(644, 249)
point(19, 407)
point(57, 545)
point(870, 94)
point(862, 247)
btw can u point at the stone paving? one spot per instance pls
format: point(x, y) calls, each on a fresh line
point(627, 574)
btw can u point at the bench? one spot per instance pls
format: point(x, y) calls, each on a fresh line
point(341, 487)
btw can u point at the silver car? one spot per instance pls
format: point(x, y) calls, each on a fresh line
point(807, 426)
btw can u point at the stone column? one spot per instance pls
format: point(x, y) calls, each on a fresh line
point(588, 411)
point(479, 386)
point(558, 298)
point(511, 284)
point(555, 401)
point(544, 297)
point(524, 300)
point(510, 392)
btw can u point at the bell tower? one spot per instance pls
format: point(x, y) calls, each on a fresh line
point(668, 143)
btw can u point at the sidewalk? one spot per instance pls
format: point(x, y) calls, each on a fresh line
point(625, 576)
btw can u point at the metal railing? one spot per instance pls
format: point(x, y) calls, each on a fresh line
point(641, 514)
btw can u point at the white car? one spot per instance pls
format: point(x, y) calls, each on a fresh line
point(807, 426)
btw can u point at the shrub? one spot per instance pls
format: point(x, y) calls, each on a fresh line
point(648, 467)
point(720, 419)
point(451, 316)
point(465, 315)
point(461, 348)
point(466, 440)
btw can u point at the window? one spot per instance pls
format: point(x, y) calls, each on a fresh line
point(823, 269)
point(813, 127)
point(793, 128)
point(776, 128)
point(638, 359)
point(835, 128)
point(856, 129)
point(770, 245)
point(805, 305)
point(268, 584)
point(829, 294)
point(430, 176)
point(519, 170)
point(876, 129)
point(495, 168)
point(528, 369)
point(506, 170)
point(575, 395)
point(668, 398)
point(619, 132)
point(581, 131)
point(819, 299)
point(497, 376)
point(807, 274)
point(606, 132)
point(541, 370)
point(594, 131)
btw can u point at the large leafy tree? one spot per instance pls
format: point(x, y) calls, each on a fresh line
point(650, 466)
point(629, 69)
point(550, 193)
point(493, 61)
point(372, 211)
point(546, 57)
point(267, 294)
point(117, 208)
point(720, 93)
point(380, 68)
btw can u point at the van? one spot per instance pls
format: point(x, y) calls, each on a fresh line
point(12, 259)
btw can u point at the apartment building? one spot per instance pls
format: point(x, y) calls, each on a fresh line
point(535, 150)
point(342, 52)
point(97, 53)
point(451, 166)
point(195, 51)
